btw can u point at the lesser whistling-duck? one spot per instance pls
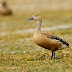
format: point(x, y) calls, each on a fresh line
point(5, 9)
point(47, 41)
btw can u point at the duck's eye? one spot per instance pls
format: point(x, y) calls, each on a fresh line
point(35, 15)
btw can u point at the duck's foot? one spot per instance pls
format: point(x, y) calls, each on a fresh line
point(53, 55)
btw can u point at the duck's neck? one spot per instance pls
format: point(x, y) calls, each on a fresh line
point(5, 7)
point(38, 26)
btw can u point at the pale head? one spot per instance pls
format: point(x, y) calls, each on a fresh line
point(4, 3)
point(36, 17)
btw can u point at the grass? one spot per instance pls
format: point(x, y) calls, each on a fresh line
point(19, 53)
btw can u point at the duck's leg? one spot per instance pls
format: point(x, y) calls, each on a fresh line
point(53, 55)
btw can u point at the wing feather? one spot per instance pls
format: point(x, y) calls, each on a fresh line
point(56, 38)
point(61, 40)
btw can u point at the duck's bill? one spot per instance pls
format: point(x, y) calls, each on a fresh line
point(31, 18)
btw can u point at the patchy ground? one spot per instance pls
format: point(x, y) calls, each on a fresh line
point(19, 53)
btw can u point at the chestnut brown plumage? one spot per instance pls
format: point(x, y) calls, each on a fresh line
point(47, 41)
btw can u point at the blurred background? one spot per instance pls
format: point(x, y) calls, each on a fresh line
point(18, 52)
point(32, 5)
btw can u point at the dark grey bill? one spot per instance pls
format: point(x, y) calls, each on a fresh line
point(31, 18)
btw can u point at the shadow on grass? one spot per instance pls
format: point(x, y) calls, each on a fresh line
point(42, 57)
point(47, 56)
point(64, 55)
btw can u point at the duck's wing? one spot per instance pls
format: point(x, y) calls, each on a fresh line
point(56, 38)
point(61, 40)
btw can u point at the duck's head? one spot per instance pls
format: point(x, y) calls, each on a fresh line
point(36, 17)
point(4, 4)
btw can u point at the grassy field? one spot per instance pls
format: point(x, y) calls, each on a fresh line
point(19, 53)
